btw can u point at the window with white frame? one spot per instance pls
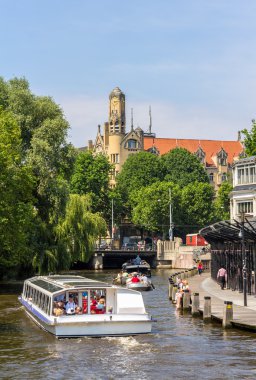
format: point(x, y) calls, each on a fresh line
point(245, 207)
point(246, 174)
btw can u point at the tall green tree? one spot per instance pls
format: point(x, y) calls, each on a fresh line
point(182, 167)
point(139, 170)
point(151, 206)
point(197, 205)
point(80, 228)
point(44, 147)
point(91, 176)
point(17, 213)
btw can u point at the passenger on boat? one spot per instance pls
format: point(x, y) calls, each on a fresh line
point(135, 278)
point(144, 279)
point(70, 306)
point(59, 309)
point(100, 308)
point(93, 306)
point(78, 310)
point(137, 260)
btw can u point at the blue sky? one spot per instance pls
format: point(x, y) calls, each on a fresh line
point(192, 61)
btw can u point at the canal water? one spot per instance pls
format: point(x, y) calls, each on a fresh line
point(179, 347)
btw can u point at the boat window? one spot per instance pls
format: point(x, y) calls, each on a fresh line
point(37, 297)
point(98, 301)
point(46, 303)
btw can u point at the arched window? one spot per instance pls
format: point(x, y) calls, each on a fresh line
point(223, 177)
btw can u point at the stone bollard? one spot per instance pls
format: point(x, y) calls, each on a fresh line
point(207, 309)
point(186, 299)
point(170, 290)
point(227, 314)
point(174, 291)
point(195, 304)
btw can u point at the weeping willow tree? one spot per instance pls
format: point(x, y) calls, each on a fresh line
point(80, 228)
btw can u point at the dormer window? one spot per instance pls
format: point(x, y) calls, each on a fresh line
point(131, 144)
point(153, 150)
point(200, 155)
point(222, 157)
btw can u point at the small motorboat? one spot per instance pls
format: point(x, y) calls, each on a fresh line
point(137, 265)
point(136, 282)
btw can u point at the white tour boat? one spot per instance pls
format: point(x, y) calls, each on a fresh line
point(73, 306)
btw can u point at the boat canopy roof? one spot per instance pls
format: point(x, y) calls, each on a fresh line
point(56, 283)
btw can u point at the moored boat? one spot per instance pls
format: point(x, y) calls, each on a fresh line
point(73, 306)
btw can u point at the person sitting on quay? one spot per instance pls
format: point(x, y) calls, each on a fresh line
point(178, 298)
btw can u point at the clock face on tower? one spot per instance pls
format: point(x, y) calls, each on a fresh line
point(115, 104)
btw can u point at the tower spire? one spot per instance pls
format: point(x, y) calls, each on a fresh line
point(132, 119)
point(150, 120)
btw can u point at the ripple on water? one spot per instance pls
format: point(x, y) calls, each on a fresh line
point(179, 347)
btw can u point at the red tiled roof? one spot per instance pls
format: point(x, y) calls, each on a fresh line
point(210, 147)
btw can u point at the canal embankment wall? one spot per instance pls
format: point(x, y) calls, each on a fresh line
point(218, 305)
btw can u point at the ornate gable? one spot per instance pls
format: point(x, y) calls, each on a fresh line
point(99, 142)
point(133, 141)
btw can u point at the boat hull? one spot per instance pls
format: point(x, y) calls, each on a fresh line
point(94, 325)
point(139, 287)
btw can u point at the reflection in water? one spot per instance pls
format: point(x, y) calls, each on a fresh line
point(179, 347)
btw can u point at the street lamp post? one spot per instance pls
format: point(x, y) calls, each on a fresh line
point(244, 261)
point(171, 222)
point(112, 223)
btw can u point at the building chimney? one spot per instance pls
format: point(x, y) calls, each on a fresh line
point(90, 145)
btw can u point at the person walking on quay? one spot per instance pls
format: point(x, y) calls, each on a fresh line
point(222, 277)
point(200, 267)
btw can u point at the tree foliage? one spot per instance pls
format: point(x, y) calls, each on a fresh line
point(91, 176)
point(152, 206)
point(250, 140)
point(139, 170)
point(197, 204)
point(80, 228)
point(182, 167)
point(16, 203)
point(222, 201)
